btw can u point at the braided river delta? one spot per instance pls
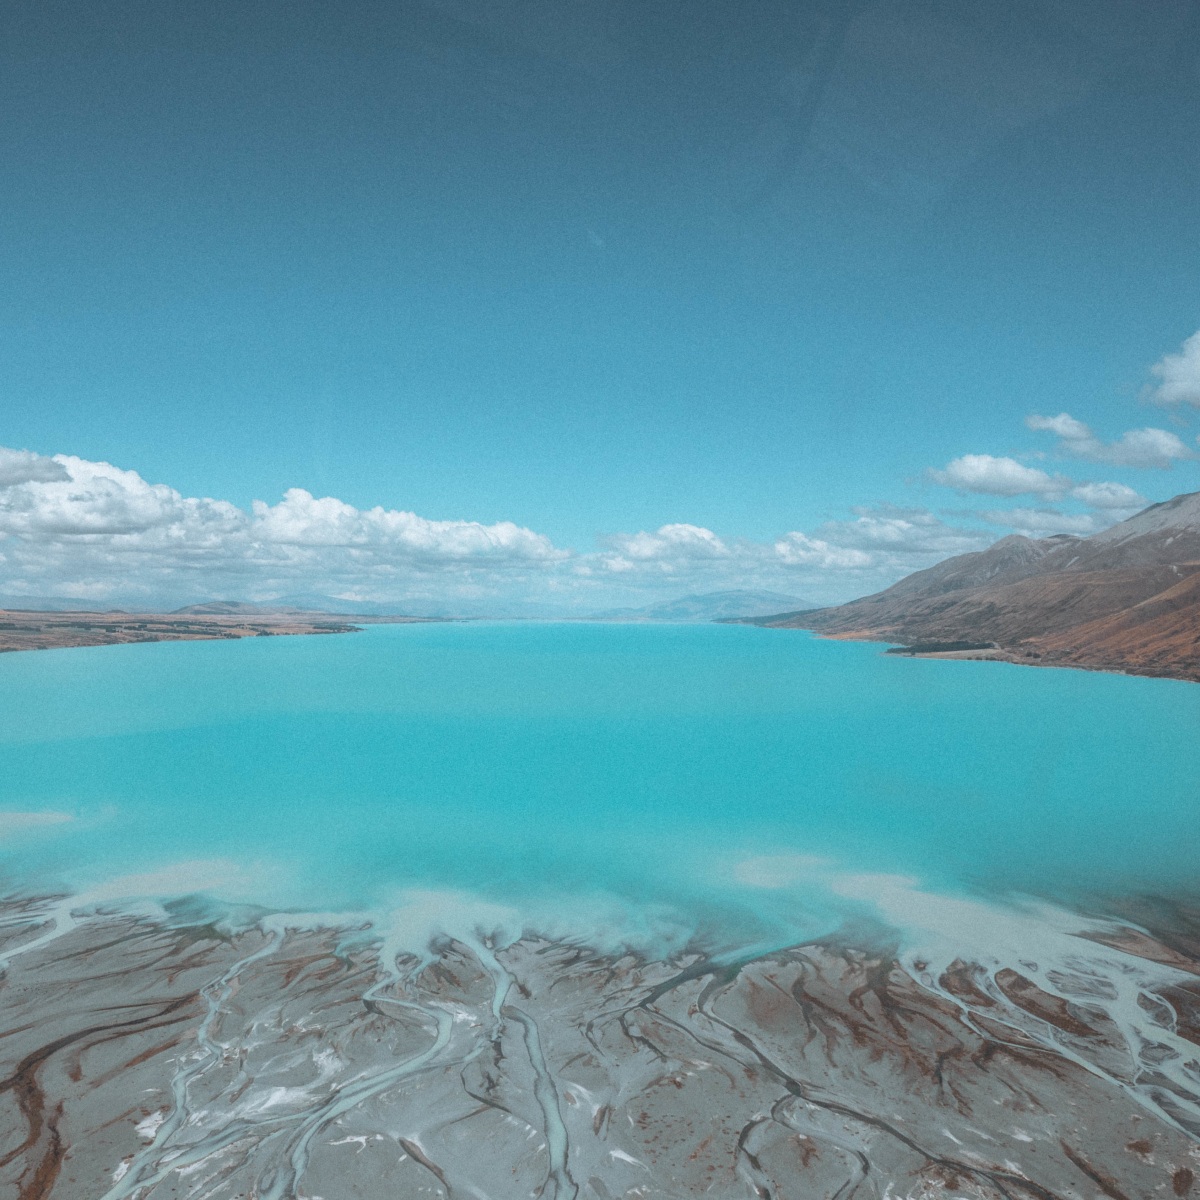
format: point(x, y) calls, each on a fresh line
point(518, 909)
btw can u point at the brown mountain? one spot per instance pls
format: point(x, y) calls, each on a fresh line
point(1127, 599)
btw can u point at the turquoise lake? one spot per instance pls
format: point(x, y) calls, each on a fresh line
point(642, 782)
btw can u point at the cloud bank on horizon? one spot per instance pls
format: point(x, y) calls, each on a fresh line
point(89, 531)
point(75, 529)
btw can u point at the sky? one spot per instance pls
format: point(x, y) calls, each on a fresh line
point(533, 306)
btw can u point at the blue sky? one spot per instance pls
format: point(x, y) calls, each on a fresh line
point(592, 270)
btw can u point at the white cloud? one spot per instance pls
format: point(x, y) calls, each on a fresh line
point(96, 533)
point(886, 539)
point(678, 542)
point(1137, 448)
point(96, 498)
point(91, 530)
point(23, 466)
point(1179, 375)
point(1064, 425)
point(1146, 448)
point(302, 520)
point(99, 534)
point(1110, 496)
point(986, 475)
point(890, 530)
point(836, 559)
point(879, 545)
point(798, 549)
point(990, 476)
point(1041, 522)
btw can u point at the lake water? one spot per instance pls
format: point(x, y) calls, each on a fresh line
point(641, 785)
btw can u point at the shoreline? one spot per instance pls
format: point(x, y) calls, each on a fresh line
point(1007, 654)
point(147, 1060)
point(1024, 659)
point(1017, 659)
point(36, 630)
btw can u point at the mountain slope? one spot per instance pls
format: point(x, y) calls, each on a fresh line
point(1126, 599)
point(1159, 636)
point(935, 589)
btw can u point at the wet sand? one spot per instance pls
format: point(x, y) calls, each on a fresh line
point(141, 1061)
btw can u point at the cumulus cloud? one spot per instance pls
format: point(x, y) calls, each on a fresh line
point(1064, 425)
point(988, 475)
point(1137, 448)
point(836, 559)
point(1178, 375)
point(23, 466)
point(891, 530)
point(669, 543)
point(96, 498)
point(95, 532)
point(1109, 496)
point(89, 529)
point(302, 520)
point(985, 475)
point(801, 550)
point(1042, 522)
point(881, 539)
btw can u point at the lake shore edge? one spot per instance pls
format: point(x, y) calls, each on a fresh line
point(31, 629)
point(1024, 657)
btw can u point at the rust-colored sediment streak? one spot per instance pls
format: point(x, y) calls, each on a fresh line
point(42, 1132)
point(804, 1075)
point(1108, 1186)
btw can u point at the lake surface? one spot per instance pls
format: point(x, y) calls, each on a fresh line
point(626, 784)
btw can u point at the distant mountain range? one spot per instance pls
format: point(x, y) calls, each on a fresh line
point(51, 604)
point(1127, 599)
point(240, 608)
point(307, 605)
point(377, 614)
point(711, 606)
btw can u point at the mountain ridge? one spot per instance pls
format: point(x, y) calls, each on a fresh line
point(1126, 599)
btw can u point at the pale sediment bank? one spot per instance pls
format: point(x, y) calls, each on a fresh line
point(142, 1062)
